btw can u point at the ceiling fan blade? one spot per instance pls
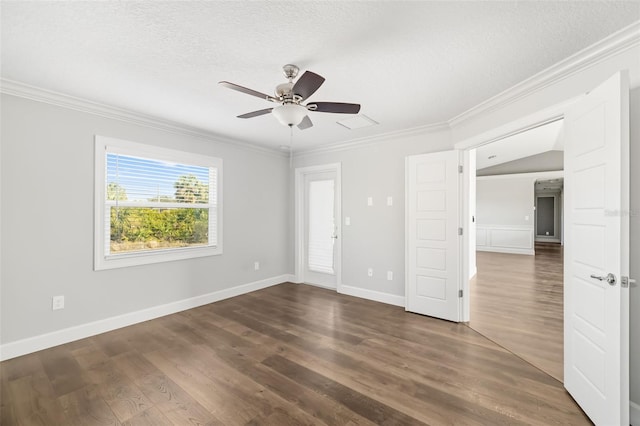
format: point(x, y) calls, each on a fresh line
point(305, 123)
point(307, 84)
point(248, 91)
point(256, 113)
point(335, 107)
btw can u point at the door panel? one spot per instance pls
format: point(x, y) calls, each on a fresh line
point(433, 243)
point(597, 312)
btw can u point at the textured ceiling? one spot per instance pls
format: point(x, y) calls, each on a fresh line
point(409, 64)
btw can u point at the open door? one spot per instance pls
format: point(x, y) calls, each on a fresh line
point(596, 311)
point(433, 242)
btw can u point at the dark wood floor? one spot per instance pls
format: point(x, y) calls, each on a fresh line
point(517, 301)
point(287, 355)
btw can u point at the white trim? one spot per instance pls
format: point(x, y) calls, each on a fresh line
point(59, 337)
point(600, 51)
point(102, 258)
point(374, 139)
point(26, 91)
point(634, 413)
point(511, 237)
point(377, 296)
point(557, 222)
point(533, 175)
point(299, 189)
point(507, 250)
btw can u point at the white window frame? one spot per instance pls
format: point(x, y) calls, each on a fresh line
point(103, 260)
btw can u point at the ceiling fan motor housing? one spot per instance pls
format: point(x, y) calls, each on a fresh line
point(283, 90)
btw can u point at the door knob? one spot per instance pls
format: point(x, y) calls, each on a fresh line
point(610, 278)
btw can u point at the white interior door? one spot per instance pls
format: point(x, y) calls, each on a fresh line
point(320, 228)
point(433, 242)
point(596, 312)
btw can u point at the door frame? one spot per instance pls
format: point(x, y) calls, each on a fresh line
point(557, 218)
point(299, 219)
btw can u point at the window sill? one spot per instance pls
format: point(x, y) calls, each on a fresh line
point(146, 258)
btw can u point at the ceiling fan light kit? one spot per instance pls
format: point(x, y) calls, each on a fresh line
point(290, 96)
point(290, 114)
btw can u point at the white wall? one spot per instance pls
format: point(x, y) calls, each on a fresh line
point(505, 200)
point(504, 208)
point(375, 237)
point(47, 222)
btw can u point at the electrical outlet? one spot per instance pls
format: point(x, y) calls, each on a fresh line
point(390, 275)
point(370, 272)
point(256, 266)
point(389, 201)
point(369, 201)
point(347, 221)
point(57, 302)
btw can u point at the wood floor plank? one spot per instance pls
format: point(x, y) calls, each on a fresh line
point(375, 411)
point(86, 407)
point(35, 401)
point(227, 407)
point(308, 401)
point(176, 404)
point(527, 318)
point(287, 354)
point(149, 417)
point(64, 372)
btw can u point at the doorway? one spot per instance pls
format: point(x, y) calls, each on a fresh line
point(318, 213)
point(548, 207)
point(516, 295)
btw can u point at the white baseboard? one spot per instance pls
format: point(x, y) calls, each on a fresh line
point(59, 337)
point(378, 296)
point(530, 252)
point(634, 413)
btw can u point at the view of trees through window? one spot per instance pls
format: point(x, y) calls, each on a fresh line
point(147, 212)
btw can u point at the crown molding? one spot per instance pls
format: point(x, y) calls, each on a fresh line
point(23, 90)
point(374, 139)
point(600, 51)
point(553, 174)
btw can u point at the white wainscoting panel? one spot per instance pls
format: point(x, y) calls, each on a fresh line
point(505, 239)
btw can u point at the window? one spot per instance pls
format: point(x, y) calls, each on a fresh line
point(154, 204)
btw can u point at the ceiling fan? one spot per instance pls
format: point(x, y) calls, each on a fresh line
point(290, 96)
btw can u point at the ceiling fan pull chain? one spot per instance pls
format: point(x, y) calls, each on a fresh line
point(290, 147)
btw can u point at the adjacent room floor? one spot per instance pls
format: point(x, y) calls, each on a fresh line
point(286, 355)
point(517, 301)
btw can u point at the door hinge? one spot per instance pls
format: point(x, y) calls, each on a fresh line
point(459, 231)
point(460, 168)
point(460, 293)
